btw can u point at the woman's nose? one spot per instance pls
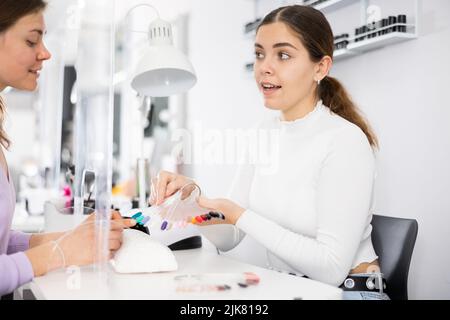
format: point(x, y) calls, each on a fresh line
point(44, 54)
point(265, 67)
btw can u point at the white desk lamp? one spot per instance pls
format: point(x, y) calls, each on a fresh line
point(162, 71)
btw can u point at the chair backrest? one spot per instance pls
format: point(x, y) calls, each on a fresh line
point(393, 240)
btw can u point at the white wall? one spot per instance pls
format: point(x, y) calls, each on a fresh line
point(403, 91)
point(21, 127)
point(225, 95)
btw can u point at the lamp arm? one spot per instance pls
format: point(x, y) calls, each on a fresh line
point(137, 6)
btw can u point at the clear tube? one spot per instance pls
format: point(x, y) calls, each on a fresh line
point(93, 146)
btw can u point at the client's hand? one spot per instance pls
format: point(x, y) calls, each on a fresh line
point(79, 245)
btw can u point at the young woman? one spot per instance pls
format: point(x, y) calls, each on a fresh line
point(312, 216)
point(23, 256)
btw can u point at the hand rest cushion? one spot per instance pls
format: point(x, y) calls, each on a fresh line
point(139, 253)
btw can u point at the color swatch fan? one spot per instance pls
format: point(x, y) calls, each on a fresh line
point(179, 209)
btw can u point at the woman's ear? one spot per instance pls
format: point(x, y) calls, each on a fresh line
point(323, 68)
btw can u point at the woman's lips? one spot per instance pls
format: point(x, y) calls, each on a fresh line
point(269, 89)
point(35, 73)
point(269, 92)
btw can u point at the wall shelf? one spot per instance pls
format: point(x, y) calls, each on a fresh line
point(359, 47)
point(332, 5)
point(380, 41)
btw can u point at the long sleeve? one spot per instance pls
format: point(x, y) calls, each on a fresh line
point(18, 241)
point(225, 236)
point(15, 270)
point(15, 267)
point(343, 198)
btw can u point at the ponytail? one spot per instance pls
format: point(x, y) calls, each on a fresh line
point(4, 141)
point(335, 97)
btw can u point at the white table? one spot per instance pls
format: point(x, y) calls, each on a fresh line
point(86, 284)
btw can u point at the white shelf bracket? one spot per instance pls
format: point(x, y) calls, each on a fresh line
point(418, 12)
point(364, 5)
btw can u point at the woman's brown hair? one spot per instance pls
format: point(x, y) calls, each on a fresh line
point(316, 35)
point(10, 12)
point(4, 141)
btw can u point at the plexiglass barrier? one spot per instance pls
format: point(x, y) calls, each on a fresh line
point(94, 115)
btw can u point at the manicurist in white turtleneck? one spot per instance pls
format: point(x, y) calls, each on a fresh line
point(311, 215)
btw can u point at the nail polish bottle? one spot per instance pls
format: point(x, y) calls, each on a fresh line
point(374, 28)
point(364, 30)
point(392, 21)
point(379, 26)
point(385, 23)
point(401, 19)
point(345, 42)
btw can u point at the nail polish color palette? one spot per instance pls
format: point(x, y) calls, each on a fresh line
point(177, 211)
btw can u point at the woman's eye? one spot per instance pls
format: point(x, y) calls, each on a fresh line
point(31, 43)
point(284, 56)
point(259, 55)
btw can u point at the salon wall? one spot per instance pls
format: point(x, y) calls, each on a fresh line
point(403, 90)
point(21, 126)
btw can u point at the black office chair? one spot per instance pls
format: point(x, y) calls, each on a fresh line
point(393, 240)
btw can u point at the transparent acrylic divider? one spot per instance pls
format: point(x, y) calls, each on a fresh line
point(94, 116)
point(58, 218)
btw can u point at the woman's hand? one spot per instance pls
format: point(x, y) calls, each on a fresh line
point(166, 184)
point(79, 245)
point(229, 209)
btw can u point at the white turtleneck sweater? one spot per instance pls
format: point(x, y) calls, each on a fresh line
point(311, 215)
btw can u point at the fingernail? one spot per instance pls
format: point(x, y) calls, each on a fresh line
point(131, 223)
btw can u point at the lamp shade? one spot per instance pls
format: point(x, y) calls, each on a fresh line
point(163, 70)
